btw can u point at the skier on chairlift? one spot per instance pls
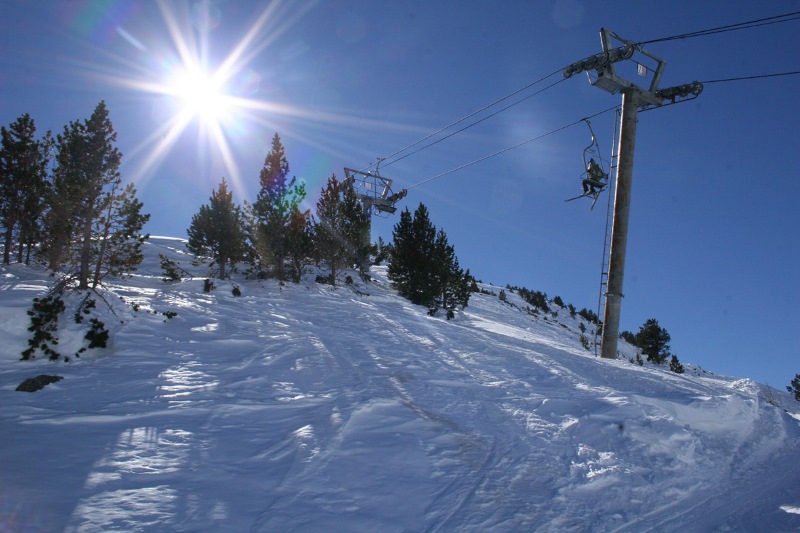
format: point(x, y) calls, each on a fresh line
point(595, 180)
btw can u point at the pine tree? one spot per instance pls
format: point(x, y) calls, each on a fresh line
point(452, 282)
point(23, 184)
point(341, 238)
point(794, 387)
point(93, 223)
point(380, 251)
point(217, 230)
point(423, 266)
point(277, 202)
point(653, 341)
point(356, 229)
point(299, 238)
point(413, 247)
point(118, 239)
point(329, 246)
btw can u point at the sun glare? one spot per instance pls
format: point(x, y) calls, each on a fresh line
point(190, 91)
point(200, 95)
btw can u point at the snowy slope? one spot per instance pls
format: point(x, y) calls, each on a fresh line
point(312, 408)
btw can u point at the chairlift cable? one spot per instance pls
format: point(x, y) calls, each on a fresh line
point(504, 150)
point(474, 123)
point(470, 115)
point(756, 77)
point(786, 17)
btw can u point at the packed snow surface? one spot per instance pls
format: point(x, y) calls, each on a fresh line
point(304, 407)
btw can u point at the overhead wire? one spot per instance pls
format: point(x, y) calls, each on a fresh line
point(474, 123)
point(756, 77)
point(786, 17)
point(504, 150)
point(470, 115)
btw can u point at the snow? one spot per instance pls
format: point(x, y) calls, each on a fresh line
point(303, 407)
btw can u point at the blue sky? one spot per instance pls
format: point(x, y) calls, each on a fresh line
point(713, 244)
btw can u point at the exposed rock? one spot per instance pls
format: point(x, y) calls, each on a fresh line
point(39, 382)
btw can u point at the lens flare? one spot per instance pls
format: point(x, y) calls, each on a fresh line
point(201, 95)
point(195, 85)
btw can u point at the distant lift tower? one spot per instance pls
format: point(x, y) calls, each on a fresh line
point(605, 71)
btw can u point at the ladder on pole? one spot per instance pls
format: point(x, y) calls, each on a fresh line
point(612, 192)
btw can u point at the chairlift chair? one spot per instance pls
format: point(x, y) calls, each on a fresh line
point(594, 178)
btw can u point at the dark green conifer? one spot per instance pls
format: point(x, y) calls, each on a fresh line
point(277, 202)
point(794, 387)
point(23, 184)
point(653, 341)
point(299, 242)
point(217, 230)
point(93, 223)
point(340, 236)
point(675, 365)
point(423, 266)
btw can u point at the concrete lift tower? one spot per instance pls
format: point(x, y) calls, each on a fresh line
point(604, 71)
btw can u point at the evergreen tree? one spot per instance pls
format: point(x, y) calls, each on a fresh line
point(675, 365)
point(794, 387)
point(537, 299)
point(653, 341)
point(589, 315)
point(217, 230)
point(413, 240)
point(299, 238)
point(423, 266)
point(329, 245)
point(356, 229)
point(629, 337)
point(380, 251)
point(23, 184)
point(452, 282)
point(341, 238)
point(117, 245)
point(93, 223)
point(277, 202)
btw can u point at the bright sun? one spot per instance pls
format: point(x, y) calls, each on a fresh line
point(218, 100)
point(201, 95)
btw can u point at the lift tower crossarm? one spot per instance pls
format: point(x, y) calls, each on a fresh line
point(600, 60)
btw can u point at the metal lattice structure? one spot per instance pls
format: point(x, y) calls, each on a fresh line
point(374, 191)
point(614, 67)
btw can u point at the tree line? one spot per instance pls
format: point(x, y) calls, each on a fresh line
point(63, 202)
point(274, 238)
point(64, 205)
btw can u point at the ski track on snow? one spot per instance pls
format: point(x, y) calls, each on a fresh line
point(308, 408)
